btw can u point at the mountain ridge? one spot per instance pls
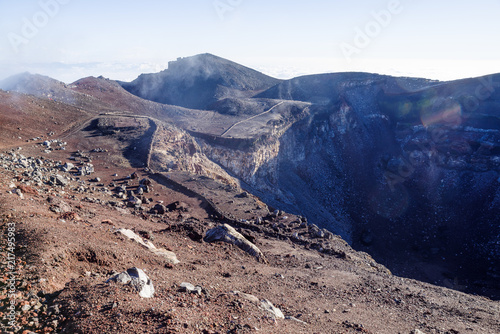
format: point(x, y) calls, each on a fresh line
point(204, 78)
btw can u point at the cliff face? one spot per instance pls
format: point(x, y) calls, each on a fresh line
point(173, 149)
point(324, 162)
point(257, 167)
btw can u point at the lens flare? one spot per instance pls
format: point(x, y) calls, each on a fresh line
point(449, 114)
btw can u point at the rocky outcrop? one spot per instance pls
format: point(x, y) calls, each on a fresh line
point(256, 166)
point(168, 255)
point(252, 155)
point(263, 304)
point(173, 149)
point(228, 234)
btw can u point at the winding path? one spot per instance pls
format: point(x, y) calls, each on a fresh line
point(250, 118)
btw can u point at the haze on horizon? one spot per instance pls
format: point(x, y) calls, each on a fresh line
point(71, 39)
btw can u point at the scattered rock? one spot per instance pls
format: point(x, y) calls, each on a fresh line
point(19, 193)
point(27, 189)
point(264, 304)
point(54, 309)
point(58, 205)
point(136, 278)
point(328, 235)
point(228, 234)
point(99, 150)
point(121, 190)
point(195, 236)
point(243, 195)
point(188, 287)
point(67, 167)
point(248, 235)
point(87, 169)
point(316, 232)
point(246, 296)
point(70, 216)
point(416, 331)
point(288, 317)
point(145, 182)
point(147, 235)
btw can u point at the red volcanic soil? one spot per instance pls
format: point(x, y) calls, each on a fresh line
point(24, 117)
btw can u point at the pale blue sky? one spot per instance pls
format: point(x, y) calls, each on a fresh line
point(121, 39)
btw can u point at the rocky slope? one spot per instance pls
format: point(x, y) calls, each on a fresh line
point(405, 169)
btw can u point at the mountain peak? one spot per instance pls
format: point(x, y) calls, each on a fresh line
point(32, 84)
point(19, 82)
point(198, 81)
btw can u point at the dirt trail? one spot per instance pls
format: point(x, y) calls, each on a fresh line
point(250, 118)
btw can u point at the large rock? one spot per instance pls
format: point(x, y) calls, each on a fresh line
point(67, 167)
point(228, 234)
point(159, 209)
point(273, 310)
point(180, 206)
point(58, 180)
point(168, 255)
point(188, 287)
point(133, 201)
point(87, 169)
point(136, 278)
